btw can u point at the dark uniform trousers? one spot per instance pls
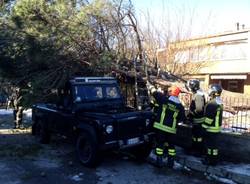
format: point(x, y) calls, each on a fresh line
point(212, 151)
point(165, 147)
point(18, 103)
point(19, 116)
point(197, 135)
point(212, 127)
point(14, 115)
point(197, 118)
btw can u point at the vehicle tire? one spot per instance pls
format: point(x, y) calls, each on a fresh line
point(87, 151)
point(142, 152)
point(40, 130)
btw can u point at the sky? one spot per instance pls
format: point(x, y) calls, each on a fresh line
point(205, 16)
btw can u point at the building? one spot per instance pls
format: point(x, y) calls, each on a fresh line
point(221, 58)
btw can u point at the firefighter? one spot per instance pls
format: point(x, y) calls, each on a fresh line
point(212, 124)
point(20, 102)
point(18, 108)
point(11, 104)
point(169, 114)
point(196, 114)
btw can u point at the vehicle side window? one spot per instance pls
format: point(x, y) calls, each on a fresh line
point(64, 96)
point(111, 92)
point(98, 92)
point(88, 92)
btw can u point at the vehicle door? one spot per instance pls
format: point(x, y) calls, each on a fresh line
point(64, 116)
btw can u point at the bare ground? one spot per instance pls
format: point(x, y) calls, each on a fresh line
point(24, 160)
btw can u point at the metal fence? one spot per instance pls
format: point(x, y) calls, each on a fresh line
point(236, 114)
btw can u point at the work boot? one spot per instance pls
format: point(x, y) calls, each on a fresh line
point(16, 126)
point(170, 163)
point(21, 127)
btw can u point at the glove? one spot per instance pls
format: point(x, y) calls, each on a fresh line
point(149, 86)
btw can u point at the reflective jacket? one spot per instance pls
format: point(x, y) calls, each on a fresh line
point(213, 115)
point(197, 107)
point(170, 113)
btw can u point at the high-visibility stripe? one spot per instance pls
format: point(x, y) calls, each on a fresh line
point(215, 152)
point(172, 107)
point(171, 152)
point(217, 118)
point(175, 120)
point(211, 129)
point(208, 120)
point(164, 128)
point(199, 139)
point(161, 126)
point(216, 128)
point(209, 151)
point(164, 107)
point(159, 151)
point(198, 120)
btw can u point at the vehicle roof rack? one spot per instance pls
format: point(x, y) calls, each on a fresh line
point(93, 80)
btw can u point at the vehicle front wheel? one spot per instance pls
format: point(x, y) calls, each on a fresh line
point(86, 148)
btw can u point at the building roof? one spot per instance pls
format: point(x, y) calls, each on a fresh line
point(226, 33)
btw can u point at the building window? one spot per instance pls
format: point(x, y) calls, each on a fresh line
point(233, 86)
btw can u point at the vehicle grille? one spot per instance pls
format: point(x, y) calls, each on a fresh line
point(132, 127)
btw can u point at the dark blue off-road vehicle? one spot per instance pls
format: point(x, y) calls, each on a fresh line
point(93, 112)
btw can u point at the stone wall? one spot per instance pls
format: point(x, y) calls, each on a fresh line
point(233, 147)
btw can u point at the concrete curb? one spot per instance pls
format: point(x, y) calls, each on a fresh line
point(238, 173)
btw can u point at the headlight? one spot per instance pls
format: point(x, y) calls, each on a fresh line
point(109, 129)
point(147, 121)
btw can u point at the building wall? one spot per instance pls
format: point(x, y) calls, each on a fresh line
point(247, 85)
point(234, 85)
point(226, 55)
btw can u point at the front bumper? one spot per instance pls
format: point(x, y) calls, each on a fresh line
point(130, 142)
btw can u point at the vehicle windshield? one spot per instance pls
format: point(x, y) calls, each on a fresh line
point(95, 92)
